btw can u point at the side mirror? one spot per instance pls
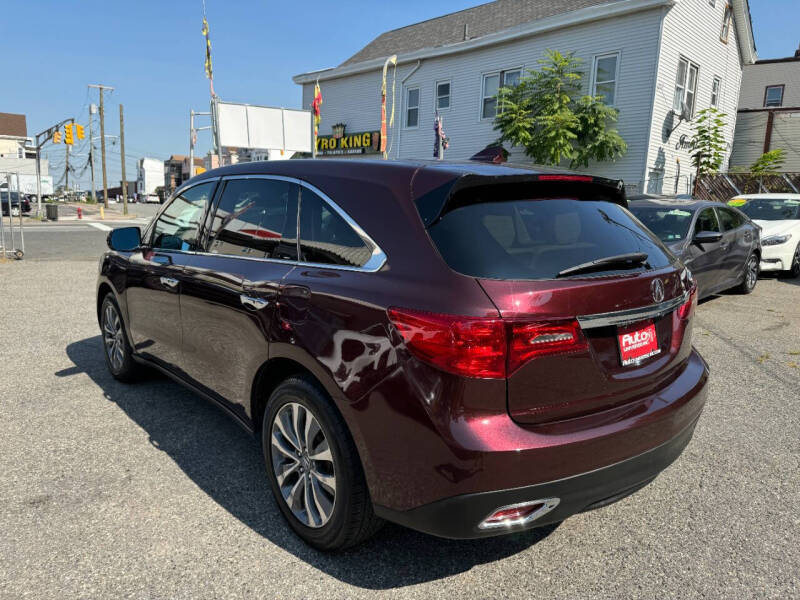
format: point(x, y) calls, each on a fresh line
point(124, 239)
point(707, 237)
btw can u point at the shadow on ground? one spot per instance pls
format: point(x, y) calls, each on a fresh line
point(226, 463)
point(781, 278)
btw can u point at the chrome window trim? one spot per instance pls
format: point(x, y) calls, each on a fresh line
point(375, 262)
point(632, 315)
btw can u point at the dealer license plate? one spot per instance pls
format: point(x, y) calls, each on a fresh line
point(637, 343)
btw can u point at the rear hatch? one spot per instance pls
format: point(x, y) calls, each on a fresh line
point(596, 309)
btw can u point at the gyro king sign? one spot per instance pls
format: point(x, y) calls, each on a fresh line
point(341, 143)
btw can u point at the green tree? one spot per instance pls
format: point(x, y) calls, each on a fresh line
point(547, 115)
point(708, 142)
point(769, 163)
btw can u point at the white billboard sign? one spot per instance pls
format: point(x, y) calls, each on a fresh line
point(263, 127)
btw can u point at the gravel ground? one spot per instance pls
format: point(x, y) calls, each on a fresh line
point(146, 491)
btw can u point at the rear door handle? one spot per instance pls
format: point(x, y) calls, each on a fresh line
point(169, 282)
point(253, 302)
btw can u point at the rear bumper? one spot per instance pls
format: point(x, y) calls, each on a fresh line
point(458, 517)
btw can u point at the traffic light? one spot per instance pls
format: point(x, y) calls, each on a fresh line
point(79, 130)
point(57, 137)
point(68, 139)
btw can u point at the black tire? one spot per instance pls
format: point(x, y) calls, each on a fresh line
point(352, 519)
point(125, 369)
point(751, 270)
point(794, 271)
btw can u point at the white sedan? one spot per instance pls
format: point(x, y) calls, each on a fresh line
point(778, 216)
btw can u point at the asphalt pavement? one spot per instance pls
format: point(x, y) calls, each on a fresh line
point(147, 491)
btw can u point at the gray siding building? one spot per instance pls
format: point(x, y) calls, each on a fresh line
point(647, 56)
point(769, 112)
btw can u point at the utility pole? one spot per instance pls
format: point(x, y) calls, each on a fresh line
point(122, 156)
point(92, 110)
point(193, 137)
point(102, 88)
point(66, 170)
point(191, 144)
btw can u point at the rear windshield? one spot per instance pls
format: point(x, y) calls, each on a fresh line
point(539, 238)
point(669, 224)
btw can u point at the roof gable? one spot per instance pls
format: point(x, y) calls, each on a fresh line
point(12, 124)
point(502, 21)
point(465, 24)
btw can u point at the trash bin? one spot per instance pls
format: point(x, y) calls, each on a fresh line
point(52, 212)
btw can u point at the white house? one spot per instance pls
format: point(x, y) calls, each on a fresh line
point(149, 175)
point(647, 57)
point(769, 112)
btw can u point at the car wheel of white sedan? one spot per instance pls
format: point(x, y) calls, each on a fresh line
point(794, 271)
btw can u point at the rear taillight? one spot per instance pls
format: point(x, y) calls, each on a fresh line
point(680, 322)
point(483, 347)
point(529, 340)
point(686, 309)
point(469, 346)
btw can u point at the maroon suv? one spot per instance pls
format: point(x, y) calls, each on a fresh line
point(464, 349)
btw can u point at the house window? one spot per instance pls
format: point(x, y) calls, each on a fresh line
point(773, 95)
point(412, 107)
point(442, 95)
point(605, 77)
point(716, 86)
point(492, 82)
point(685, 87)
point(727, 18)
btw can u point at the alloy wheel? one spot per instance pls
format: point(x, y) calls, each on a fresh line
point(303, 465)
point(795, 270)
point(751, 276)
point(113, 337)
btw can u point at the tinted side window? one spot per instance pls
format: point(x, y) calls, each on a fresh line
point(178, 226)
point(325, 237)
point(256, 218)
point(707, 221)
point(730, 220)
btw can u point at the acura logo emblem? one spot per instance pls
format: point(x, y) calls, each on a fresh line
point(657, 287)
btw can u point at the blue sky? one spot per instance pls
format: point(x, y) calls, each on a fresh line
point(152, 53)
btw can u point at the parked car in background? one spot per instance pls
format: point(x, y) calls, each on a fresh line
point(465, 349)
point(778, 216)
point(719, 244)
point(18, 202)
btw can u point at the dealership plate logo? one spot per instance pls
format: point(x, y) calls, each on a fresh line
point(637, 343)
point(657, 287)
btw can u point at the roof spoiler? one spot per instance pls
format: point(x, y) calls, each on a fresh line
point(472, 188)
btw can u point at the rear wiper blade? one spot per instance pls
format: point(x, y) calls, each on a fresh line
point(624, 260)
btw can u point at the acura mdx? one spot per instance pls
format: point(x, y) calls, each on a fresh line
point(464, 349)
